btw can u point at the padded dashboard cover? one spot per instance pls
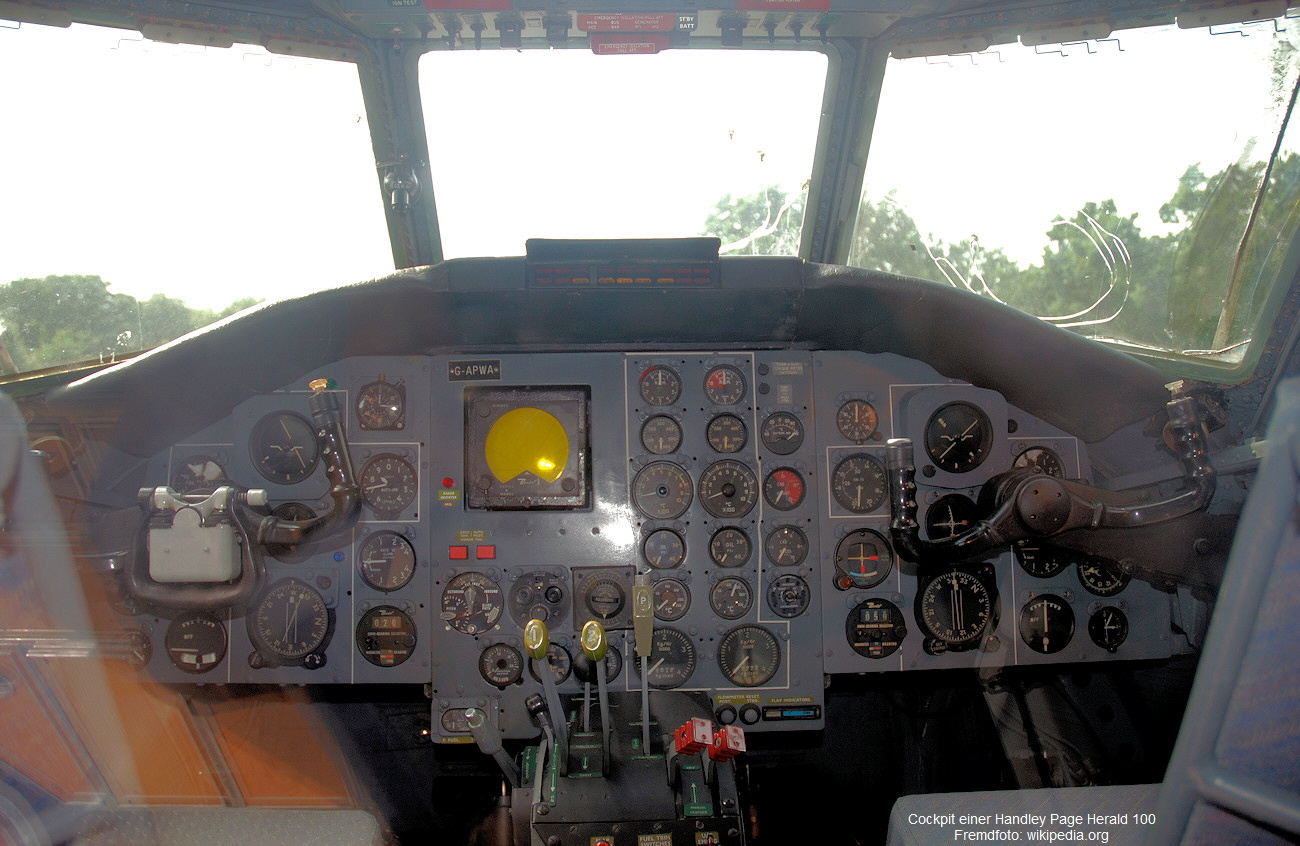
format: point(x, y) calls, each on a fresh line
point(480, 305)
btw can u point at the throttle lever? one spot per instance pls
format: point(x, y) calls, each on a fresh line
point(1031, 504)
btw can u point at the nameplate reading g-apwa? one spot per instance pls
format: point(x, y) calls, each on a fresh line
point(474, 369)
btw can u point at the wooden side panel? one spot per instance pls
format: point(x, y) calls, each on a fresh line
point(280, 752)
point(32, 743)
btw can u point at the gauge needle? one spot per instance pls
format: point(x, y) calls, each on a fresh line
point(383, 483)
point(957, 617)
point(290, 621)
point(655, 666)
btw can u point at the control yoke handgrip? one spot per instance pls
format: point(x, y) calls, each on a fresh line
point(1030, 504)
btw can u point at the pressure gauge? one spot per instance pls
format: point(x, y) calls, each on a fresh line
point(727, 433)
point(724, 385)
point(661, 435)
point(386, 561)
point(749, 656)
point(1047, 623)
point(660, 385)
point(672, 659)
point(858, 483)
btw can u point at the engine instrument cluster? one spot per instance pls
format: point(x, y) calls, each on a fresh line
point(750, 486)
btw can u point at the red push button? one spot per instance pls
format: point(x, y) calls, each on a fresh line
point(485, 551)
point(457, 552)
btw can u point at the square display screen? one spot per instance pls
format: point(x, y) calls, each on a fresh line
point(527, 447)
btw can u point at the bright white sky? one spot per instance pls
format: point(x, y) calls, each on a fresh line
point(206, 177)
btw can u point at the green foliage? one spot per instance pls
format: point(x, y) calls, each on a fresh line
point(767, 223)
point(63, 319)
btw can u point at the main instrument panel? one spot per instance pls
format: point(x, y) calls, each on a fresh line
point(750, 485)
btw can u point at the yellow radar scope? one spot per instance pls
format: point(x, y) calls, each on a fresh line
point(527, 440)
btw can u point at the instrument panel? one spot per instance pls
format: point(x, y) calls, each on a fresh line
point(750, 485)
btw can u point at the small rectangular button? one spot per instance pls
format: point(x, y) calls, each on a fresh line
point(485, 551)
point(458, 552)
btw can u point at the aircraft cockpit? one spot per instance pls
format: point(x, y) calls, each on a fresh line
point(484, 422)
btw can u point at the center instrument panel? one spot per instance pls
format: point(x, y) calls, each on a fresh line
point(749, 485)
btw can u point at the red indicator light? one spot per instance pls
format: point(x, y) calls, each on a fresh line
point(485, 551)
point(458, 552)
point(449, 482)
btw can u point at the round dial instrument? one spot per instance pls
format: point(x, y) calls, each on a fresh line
point(863, 559)
point(289, 622)
point(727, 433)
point(858, 483)
point(660, 385)
point(1040, 559)
point(381, 406)
point(784, 489)
point(786, 546)
point(1108, 627)
point(501, 665)
point(388, 484)
point(560, 662)
point(749, 656)
point(782, 433)
point(539, 595)
point(386, 561)
point(728, 489)
point(1047, 623)
point(664, 549)
point(471, 603)
point(958, 437)
point(672, 600)
point(290, 553)
point(283, 447)
point(1102, 577)
point(856, 420)
point(661, 490)
point(875, 628)
point(955, 608)
point(950, 516)
point(195, 642)
point(1044, 459)
point(386, 636)
point(604, 598)
point(729, 547)
point(724, 385)
point(198, 474)
point(671, 661)
point(661, 435)
point(788, 596)
point(731, 598)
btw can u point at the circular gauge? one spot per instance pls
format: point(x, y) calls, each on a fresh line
point(1047, 623)
point(729, 547)
point(1042, 458)
point(1040, 559)
point(782, 433)
point(856, 420)
point(662, 490)
point(724, 385)
point(1102, 577)
point(671, 661)
point(471, 603)
point(858, 483)
point(283, 447)
point(560, 662)
point(731, 598)
point(875, 628)
point(788, 596)
point(289, 622)
point(388, 483)
point(955, 608)
point(386, 561)
point(727, 433)
point(605, 598)
point(786, 546)
point(958, 437)
point(950, 516)
point(664, 549)
point(613, 665)
point(783, 489)
point(198, 474)
point(749, 656)
point(501, 665)
point(538, 596)
point(660, 385)
point(672, 600)
point(380, 406)
point(661, 435)
point(728, 489)
point(195, 642)
point(1108, 627)
point(386, 636)
point(290, 553)
point(863, 559)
